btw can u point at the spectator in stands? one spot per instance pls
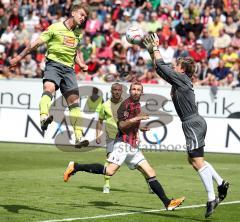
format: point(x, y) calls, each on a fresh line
point(111, 36)
point(153, 24)
point(109, 67)
point(166, 26)
point(121, 26)
point(221, 71)
point(42, 8)
point(213, 61)
point(236, 40)
point(214, 3)
point(53, 9)
point(161, 36)
point(181, 51)
point(131, 8)
point(43, 22)
point(206, 18)
point(215, 27)
point(104, 52)
point(197, 27)
point(31, 20)
point(28, 67)
point(202, 70)
point(192, 12)
point(101, 13)
point(230, 57)
point(93, 64)
point(88, 48)
point(3, 21)
point(25, 8)
point(107, 23)
point(93, 25)
point(207, 41)
point(236, 71)
point(147, 10)
point(198, 53)
point(235, 13)
point(15, 19)
point(99, 76)
point(190, 40)
point(117, 11)
point(131, 77)
point(118, 52)
point(133, 54)
point(219, 12)
point(22, 34)
point(140, 67)
point(210, 80)
point(222, 41)
point(7, 36)
point(230, 26)
point(148, 77)
point(167, 52)
point(169, 4)
point(176, 14)
point(123, 68)
point(140, 22)
point(184, 27)
point(98, 39)
point(228, 81)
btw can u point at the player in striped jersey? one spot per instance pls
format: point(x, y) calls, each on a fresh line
point(126, 149)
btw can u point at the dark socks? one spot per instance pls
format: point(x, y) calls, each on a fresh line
point(95, 168)
point(157, 189)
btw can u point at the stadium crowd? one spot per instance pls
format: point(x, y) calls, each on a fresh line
point(207, 30)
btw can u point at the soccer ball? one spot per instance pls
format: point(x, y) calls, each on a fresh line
point(134, 34)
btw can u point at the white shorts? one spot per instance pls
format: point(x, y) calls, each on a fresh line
point(125, 153)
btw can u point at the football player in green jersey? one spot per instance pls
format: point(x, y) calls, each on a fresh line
point(62, 40)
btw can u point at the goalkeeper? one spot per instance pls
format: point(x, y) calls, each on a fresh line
point(194, 126)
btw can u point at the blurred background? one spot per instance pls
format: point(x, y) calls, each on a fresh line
point(207, 30)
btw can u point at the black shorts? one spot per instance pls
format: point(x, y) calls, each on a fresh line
point(199, 152)
point(63, 76)
point(194, 129)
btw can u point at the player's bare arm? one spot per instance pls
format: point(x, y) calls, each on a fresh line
point(80, 62)
point(99, 130)
point(29, 48)
point(126, 124)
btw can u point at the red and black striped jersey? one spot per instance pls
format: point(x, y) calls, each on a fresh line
point(128, 110)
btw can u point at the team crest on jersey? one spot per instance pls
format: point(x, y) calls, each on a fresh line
point(69, 41)
point(126, 114)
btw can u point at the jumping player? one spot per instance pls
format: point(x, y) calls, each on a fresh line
point(62, 40)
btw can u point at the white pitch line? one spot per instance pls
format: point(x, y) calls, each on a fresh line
point(135, 212)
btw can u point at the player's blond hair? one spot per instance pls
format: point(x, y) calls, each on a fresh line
point(83, 6)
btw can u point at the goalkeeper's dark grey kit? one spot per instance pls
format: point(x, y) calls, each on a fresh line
point(183, 97)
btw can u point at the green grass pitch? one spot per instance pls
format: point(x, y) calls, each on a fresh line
point(32, 187)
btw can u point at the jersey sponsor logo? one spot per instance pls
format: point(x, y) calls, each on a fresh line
point(69, 41)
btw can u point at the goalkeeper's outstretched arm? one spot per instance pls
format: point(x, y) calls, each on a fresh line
point(151, 42)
